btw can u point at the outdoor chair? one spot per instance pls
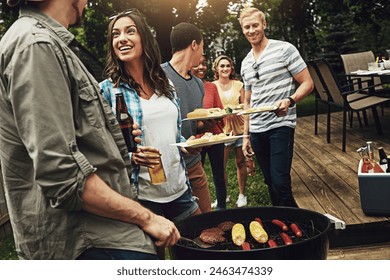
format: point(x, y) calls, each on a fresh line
point(321, 95)
point(343, 96)
point(359, 61)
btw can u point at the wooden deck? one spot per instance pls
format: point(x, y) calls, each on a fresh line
point(366, 252)
point(325, 179)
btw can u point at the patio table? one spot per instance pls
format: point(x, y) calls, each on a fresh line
point(378, 89)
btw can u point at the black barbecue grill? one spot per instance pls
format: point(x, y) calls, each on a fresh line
point(313, 244)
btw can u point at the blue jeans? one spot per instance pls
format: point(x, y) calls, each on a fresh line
point(176, 210)
point(274, 151)
point(114, 254)
point(216, 156)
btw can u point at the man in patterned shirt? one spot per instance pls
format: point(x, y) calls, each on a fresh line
point(270, 73)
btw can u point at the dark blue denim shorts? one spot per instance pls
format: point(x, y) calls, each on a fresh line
point(176, 210)
point(236, 144)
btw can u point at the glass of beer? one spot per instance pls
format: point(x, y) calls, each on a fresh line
point(157, 174)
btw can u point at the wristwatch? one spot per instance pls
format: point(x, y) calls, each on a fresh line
point(292, 102)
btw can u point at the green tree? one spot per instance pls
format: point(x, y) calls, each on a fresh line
point(339, 40)
point(7, 17)
point(346, 26)
point(292, 20)
point(315, 27)
point(334, 31)
point(92, 33)
point(372, 23)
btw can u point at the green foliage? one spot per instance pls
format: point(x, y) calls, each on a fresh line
point(339, 37)
point(345, 26)
point(93, 32)
point(317, 28)
point(372, 19)
point(7, 249)
point(306, 107)
point(7, 17)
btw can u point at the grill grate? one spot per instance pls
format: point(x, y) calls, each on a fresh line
point(273, 231)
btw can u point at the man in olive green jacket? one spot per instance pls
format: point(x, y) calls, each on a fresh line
point(64, 161)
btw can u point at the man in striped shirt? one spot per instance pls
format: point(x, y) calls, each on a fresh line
point(273, 73)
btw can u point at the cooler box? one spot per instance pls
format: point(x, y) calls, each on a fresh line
point(374, 189)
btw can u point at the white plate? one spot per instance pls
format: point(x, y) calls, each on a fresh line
point(258, 110)
point(209, 143)
point(209, 117)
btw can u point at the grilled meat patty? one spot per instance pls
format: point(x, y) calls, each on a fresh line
point(212, 235)
point(225, 226)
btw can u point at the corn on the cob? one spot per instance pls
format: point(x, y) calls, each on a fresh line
point(257, 231)
point(238, 234)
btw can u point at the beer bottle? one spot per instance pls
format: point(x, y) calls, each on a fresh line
point(367, 166)
point(376, 168)
point(382, 156)
point(125, 122)
point(388, 165)
point(383, 161)
point(370, 150)
point(250, 166)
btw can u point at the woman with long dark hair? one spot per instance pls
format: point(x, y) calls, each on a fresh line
point(133, 69)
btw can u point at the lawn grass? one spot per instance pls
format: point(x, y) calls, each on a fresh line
point(306, 106)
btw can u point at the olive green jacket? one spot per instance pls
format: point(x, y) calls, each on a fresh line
point(55, 131)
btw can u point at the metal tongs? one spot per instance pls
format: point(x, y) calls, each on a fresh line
point(197, 242)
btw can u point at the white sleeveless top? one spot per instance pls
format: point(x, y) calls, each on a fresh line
point(160, 119)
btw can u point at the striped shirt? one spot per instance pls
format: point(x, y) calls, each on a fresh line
point(270, 79)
